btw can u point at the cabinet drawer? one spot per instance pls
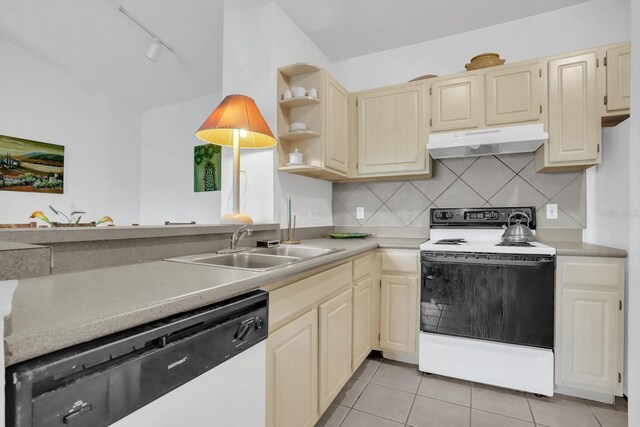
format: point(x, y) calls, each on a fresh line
point(362, 267)
point(399, 262)
point(592, 273)
point(290, 301)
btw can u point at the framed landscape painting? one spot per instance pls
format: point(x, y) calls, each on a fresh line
point(32, 166)
point(207, 160)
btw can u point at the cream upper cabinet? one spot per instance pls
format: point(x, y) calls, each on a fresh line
point(455, 103)
point(392, 133)
point(362, 321)
point(337, 145)
point(292, 373)
point(618, 66)
point(513, 94)
point(589, 323)
point(398, 313)
point(335, 346)
point(574, 119)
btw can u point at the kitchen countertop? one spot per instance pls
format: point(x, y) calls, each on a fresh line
point(54, 312)
point(585, 249)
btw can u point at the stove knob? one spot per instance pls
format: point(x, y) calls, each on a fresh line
point(259, 323)
point(243, 331)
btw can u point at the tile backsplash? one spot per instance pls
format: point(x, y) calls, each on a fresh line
point(505, 180)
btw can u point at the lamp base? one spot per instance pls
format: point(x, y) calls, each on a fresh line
point(236, 218)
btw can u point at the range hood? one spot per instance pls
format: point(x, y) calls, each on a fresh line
point(485, 142)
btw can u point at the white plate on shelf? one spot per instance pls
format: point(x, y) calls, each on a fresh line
point(296, 164)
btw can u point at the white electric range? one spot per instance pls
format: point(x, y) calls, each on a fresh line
point(486, 308)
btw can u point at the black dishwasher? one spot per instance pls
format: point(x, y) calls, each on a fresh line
point(99, 382)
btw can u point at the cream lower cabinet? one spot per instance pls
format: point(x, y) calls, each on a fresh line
point(392, 132)
point(335, 346)
point(312, 325)
point(399, 302)
point(590, 324)
point(366, 308)
point(292, 373)
point(362, 326)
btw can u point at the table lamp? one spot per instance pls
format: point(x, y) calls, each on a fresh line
point(237, 123)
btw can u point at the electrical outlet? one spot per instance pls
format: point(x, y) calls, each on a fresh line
point(360, 213)
point(552, 211)
point(314, 214)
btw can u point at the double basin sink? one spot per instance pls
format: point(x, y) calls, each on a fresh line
point(259, 259)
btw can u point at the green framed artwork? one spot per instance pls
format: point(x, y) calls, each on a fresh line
point(32, 166)
point(207, 159)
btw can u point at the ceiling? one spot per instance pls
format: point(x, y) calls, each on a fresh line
point(95, 42)
point(348, 28)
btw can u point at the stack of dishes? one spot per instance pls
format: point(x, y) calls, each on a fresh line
point(297, 127)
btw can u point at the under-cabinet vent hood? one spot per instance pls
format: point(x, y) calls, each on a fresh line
point(485, 142)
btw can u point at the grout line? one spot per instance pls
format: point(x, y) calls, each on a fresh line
point(563, 188)
point(388, 198)
point(423, 211)
point(406, 422)
point(533, 417)
point(517, 172)
point(595, 416)
point(414, 186)
point(345, 417)
point(569, 215)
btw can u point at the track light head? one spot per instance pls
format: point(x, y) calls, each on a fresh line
point(154, 51)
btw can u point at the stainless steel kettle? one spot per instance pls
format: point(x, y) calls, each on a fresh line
point(518, 232)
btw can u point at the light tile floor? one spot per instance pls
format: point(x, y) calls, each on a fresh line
point(384, 393)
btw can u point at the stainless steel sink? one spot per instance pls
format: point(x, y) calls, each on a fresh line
point(259, 259)
point(245, 260)
point(295, 251)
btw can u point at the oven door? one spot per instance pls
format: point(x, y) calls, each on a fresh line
point(506, 298)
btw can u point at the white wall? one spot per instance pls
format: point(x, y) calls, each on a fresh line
point(608, 201)
point(166, 184)
point(585, 25)
point(101, 138)
point(259, 37)
point(634, 229)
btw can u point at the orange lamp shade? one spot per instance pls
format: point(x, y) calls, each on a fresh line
point(237, 113)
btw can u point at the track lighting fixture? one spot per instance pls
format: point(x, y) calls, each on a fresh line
point(156, 47)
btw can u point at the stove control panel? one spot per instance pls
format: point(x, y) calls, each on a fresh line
point(481, 217)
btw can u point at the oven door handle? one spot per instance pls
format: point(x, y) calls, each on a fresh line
point(488, 261)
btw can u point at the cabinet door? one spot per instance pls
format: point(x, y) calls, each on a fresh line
point(590, 339)
point(392, 135)
point(513, 94)
point(454, 103)
point(399, 313)
point(335, 347)
point(362, 314)
point(336, 154)
point(292, 373)
point(574, 122)
point(618, 78)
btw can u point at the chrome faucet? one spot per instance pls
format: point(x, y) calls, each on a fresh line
point(238, 235)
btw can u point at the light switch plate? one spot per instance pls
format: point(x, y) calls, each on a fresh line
point(360, 213)
point(552, 211)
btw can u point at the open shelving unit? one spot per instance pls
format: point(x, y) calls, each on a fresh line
point(307, 110)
